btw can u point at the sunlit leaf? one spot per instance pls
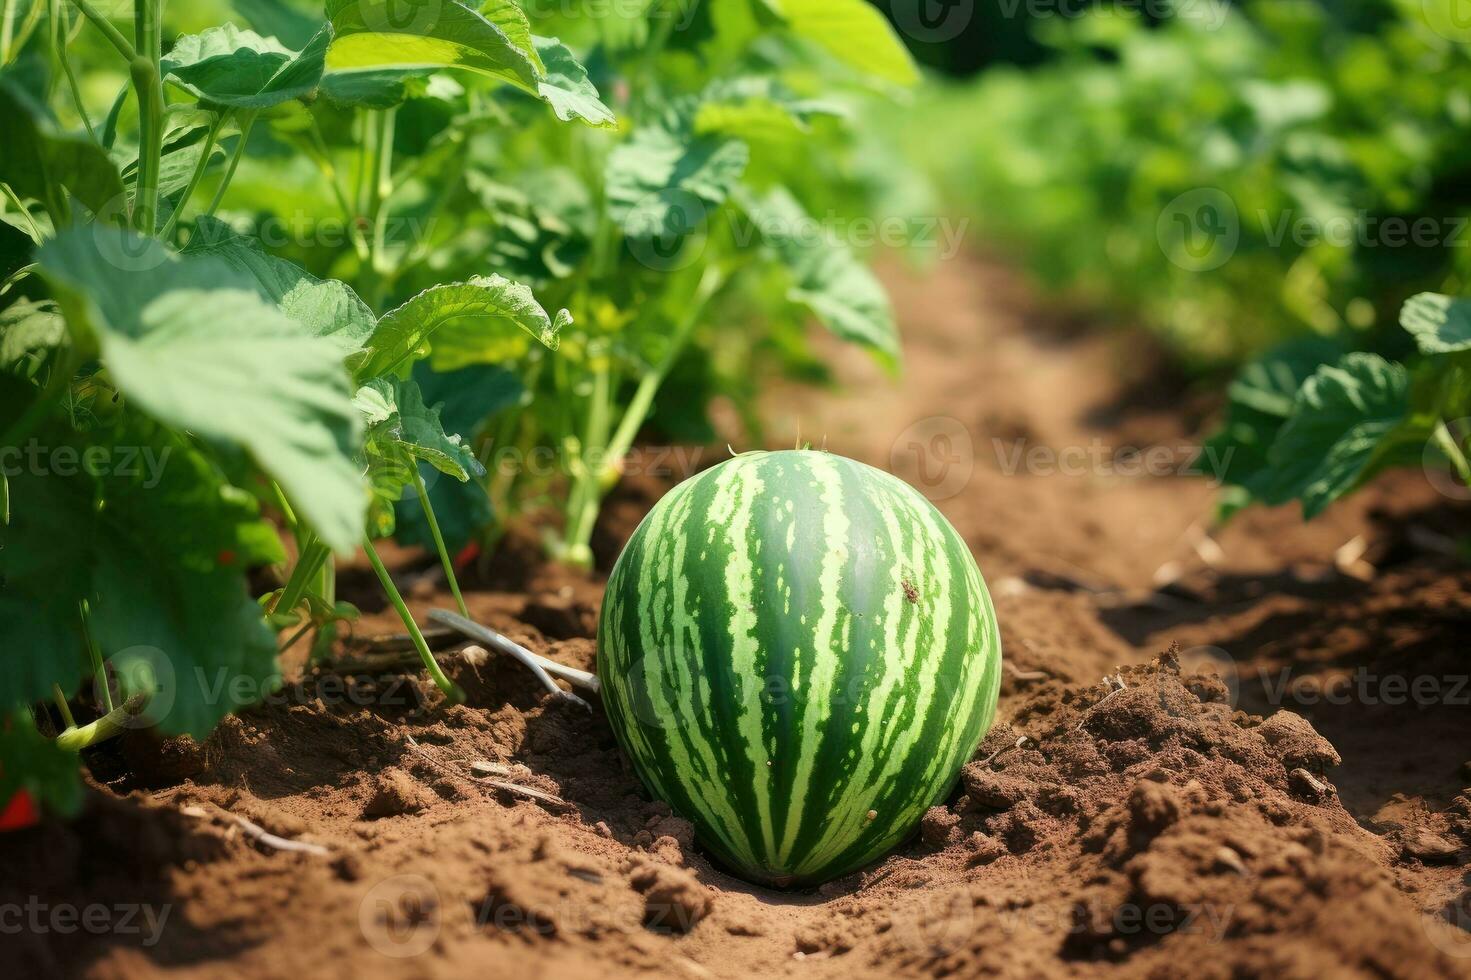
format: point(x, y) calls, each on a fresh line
point(1440, 324)
point(486, 319)
point(229, 66)
point(192, 343)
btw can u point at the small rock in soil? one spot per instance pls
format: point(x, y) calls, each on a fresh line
point(1293, 739)
point(1309, 785)
point(937, 825)
point(1429, 847)
point(674, 899)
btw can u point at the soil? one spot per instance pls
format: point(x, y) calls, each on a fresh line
point(1238, 751)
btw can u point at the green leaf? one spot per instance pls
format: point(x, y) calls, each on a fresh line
point(826, 277)
point(402, 431)
point(757, 108)
point(372, 35)
point(854, 32)
point(238, 68)
point(465, 399)
point(566, 87)
point(32, 762)
point(661, 183)
point(1439, 324)
point(162, 562)
point(1343, 421)
point(37, 157)
point(375, 89)
point(192, 343)
point(27, 329)
point(400, 425)
point(1260, 399)
point(483, 320)
point(326, 308)
point(513, 22)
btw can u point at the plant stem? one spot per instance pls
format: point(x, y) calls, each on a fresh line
point(148, 84)
point(113, 723)
point(113, 35)
point(444, 557)
point(295, 637)
point(62, 706)
point(198, 175)
point(450, 688)
point(7, 19)
point(1448, 445)
point(648, 387)
point(588, 497)
point(380, 188)
point(59, 42)
point(308, 563)
point(94, 653)
point(25, 213)
point(247, 119)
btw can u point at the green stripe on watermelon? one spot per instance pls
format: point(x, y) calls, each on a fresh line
point(789, 643)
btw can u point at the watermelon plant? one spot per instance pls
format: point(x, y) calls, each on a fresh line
point(687, 241)
point(1310, 421)
point(798, 653)
point(169, 386)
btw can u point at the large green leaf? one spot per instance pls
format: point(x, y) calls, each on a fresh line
point(373, 35)
point(854, 32)
point(1344, 420)
point(238, 68)
point(661, 183)
point(566, 87)
point(327, 308)
point(148, 533)
point(484, 320)
point(1440, 324)
point(825, 276)
point(37, 158)
point(192, 343)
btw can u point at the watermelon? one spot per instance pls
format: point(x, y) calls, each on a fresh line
point(798, 653)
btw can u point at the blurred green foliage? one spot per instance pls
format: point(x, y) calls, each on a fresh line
point(1236, 176)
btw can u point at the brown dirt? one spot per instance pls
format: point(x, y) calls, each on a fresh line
point(1222, 754)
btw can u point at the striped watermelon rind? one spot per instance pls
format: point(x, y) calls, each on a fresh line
point(798, 653)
